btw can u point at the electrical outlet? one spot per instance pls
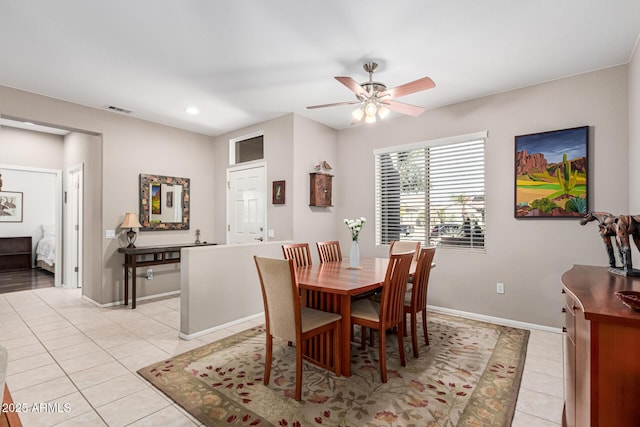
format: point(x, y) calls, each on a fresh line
point(500, 288)
point(149, 273)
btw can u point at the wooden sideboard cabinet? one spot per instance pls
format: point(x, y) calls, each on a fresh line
point(15, 253)
point(320, 189)
point(601, 349)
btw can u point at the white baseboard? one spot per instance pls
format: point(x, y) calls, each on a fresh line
point(492, 319)
point(121, 302)
point(219, 327)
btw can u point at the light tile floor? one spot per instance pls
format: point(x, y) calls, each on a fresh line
point(64, 350)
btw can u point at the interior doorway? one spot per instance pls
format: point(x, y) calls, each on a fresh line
point(77, 147)
point(42, 207)
point(247, 203)
point(73, 227)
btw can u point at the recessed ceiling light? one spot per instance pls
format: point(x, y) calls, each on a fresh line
point(192, 110)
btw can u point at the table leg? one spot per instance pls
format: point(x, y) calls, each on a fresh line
point(133, 282)
point(126, 280)
point(345, 335)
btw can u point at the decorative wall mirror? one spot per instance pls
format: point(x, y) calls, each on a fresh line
point(164, 203)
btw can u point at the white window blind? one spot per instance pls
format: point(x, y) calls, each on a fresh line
point(432, 192)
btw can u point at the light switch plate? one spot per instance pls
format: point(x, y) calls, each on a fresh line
point(271, 234)
point(110, 234)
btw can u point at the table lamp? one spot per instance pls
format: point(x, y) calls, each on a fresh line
point(131, 222)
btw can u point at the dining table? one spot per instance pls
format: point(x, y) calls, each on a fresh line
point(330, 286)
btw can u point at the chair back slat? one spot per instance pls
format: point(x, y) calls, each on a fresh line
point(399, 246)
point(421, 279)
point(329, 251)
point(280, 296)
point(298, 252)
point(394, 288)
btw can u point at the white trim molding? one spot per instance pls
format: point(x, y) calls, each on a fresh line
point(492, 319)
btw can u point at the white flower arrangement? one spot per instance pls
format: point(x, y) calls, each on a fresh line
point(355, 225)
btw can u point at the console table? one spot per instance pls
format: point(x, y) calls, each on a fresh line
point(601, 343)
point(135, 257)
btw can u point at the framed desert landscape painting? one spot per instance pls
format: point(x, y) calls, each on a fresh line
point(551, 174)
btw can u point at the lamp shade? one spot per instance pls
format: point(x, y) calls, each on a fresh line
point(130, 221)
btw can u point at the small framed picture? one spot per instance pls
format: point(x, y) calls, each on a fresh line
point(278, 192)
point(10, 206)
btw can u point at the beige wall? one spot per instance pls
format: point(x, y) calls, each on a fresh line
point(634, 133)
point(278, 153)
point(528, 256)
point(313, 143)
point(212, 301)
point(293, 146)
point(21, 147)
point(129, 147)
point(85, 149)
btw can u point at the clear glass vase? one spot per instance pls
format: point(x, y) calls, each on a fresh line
point(354, 255)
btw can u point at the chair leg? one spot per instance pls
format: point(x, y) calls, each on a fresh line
point(298, 372)
point(414, 335)
point(404, 319)
point(363, 337)
point(401, 332)
point(371, 332)
point(382, 343)
point(424, 326)
point(268, 359)
point(336, 350)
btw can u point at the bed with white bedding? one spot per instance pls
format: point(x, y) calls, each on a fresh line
point(46, 249)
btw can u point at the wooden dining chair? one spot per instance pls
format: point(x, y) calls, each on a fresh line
point(416, 301)
point(387, 314)
point(329, 251)
point(405, 246)
point(298, 252)
point(399, 246)
point(286, 319)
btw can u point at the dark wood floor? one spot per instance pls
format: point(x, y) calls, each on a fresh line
point(20, 280)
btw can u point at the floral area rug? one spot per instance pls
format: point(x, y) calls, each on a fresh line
point(469, 375)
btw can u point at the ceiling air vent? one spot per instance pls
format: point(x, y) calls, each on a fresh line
point(119, 109)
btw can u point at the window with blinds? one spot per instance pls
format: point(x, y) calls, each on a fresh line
point(432, 192)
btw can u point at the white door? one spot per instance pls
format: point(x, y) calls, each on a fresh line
point(247, 204)
point(73, 229)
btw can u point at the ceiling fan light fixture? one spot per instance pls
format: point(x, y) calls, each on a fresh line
point(357, 114)
point(375, 99)
point(370, 109)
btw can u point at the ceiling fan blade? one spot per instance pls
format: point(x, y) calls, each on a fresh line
point(409, 88)
point(401, 107)
point(353, 86)
point(312, 107)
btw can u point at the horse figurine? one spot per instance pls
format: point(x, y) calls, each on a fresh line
point(621, 228)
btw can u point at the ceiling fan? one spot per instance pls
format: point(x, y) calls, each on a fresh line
point(375, 98)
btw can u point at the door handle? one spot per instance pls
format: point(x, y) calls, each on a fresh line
point(259, 238)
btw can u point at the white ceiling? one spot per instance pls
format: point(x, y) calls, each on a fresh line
point(244, 61)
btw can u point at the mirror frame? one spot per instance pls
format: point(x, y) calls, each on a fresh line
point(145, 188)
